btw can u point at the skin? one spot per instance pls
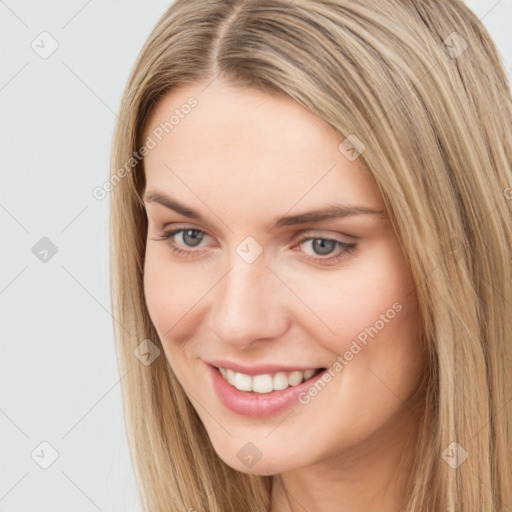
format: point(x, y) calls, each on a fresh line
point(243, 158)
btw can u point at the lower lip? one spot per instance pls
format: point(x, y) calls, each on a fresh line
point(249, 403)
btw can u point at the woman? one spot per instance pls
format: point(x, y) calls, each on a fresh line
point(311, 258)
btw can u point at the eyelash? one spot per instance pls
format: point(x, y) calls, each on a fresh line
point(347, 248)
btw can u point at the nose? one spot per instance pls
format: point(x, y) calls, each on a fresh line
point(249, 304)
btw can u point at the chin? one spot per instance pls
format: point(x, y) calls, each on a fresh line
point(260, 468)
point(247, 458)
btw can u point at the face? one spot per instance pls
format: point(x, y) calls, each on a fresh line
point(241, 275)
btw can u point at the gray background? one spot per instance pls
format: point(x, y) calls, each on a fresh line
point(59, 381)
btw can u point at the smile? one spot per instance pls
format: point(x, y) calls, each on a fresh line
point(267, 382)
point(269, 390)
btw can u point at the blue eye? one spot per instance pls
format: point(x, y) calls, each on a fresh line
point(326, 246)
point(322, 247)
point(191, 237)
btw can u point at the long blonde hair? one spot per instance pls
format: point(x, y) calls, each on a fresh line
point(422, 85)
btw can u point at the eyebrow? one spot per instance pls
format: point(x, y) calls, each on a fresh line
point(329, 212)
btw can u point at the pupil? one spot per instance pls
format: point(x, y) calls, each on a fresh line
point(193, 240)
point(321, 246)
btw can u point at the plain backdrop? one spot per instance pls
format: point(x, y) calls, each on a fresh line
point(62, 440)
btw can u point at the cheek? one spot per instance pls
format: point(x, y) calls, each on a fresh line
point(170, 290)
point(160, 294)
point(173, 296)
point(371, 300)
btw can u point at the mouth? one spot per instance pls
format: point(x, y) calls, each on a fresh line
point(267, 382)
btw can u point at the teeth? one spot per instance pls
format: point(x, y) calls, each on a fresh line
point(295, 378)
point(262, 383)
point(280, 381)
point(308, 374)
point(230, 376)
point(243, 382)
point(266, 383)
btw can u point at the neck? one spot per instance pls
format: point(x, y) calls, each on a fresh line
point(372, 476)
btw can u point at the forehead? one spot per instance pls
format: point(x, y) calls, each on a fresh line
point(243, 145)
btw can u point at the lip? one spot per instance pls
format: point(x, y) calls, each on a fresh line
point(259, 369)
point(248, 403)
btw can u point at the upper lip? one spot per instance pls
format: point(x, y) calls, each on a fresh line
point(259, 369)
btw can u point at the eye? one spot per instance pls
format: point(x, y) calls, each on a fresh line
point(327, 251)
point(325, 247)
point(190, 237)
